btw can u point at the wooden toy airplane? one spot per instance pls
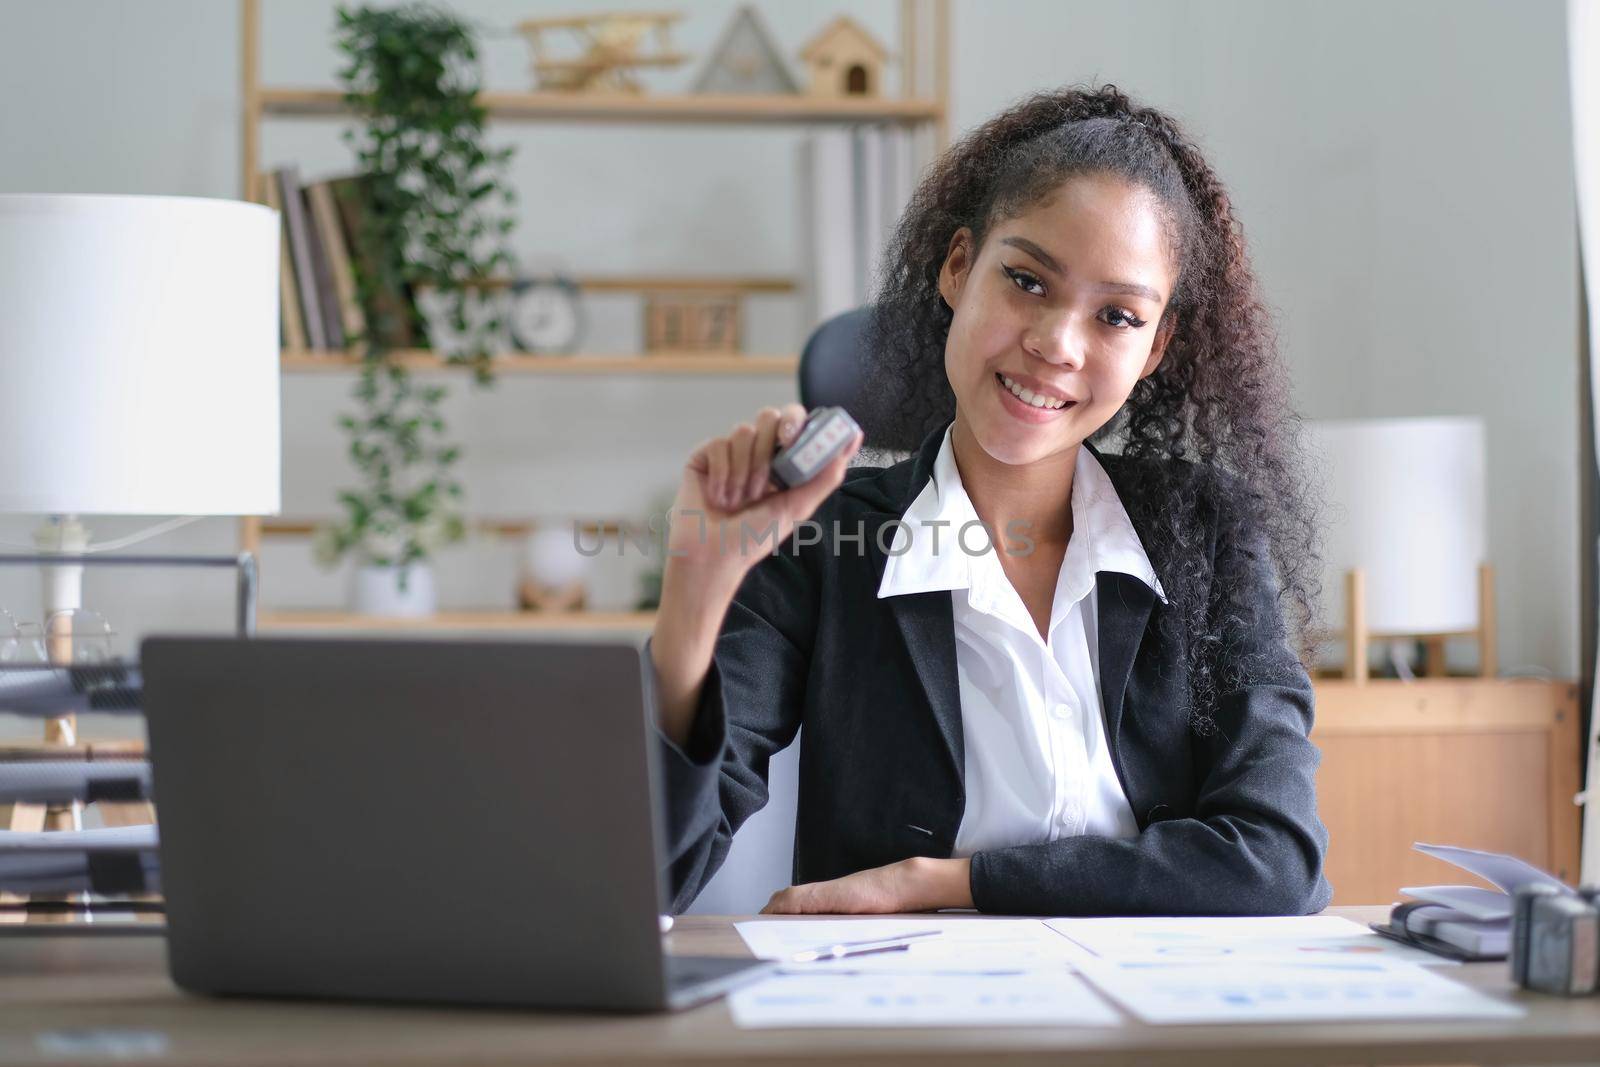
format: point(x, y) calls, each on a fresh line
point(611, 50)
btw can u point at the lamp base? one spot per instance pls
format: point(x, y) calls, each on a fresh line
point(1357, 636)
point(62, 591)
point(63, 586)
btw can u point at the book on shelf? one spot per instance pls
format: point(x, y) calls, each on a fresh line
point(868, 150)
point(322, 285)
point(324, 244)
point(292, 321)
point(330, 229)
point(392, 315)
point(827, 225)
point(298, 229)
point(853, 185)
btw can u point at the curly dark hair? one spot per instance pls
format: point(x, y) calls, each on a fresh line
point(1213, 423)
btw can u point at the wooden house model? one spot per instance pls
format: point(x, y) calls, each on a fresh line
point(844, 60)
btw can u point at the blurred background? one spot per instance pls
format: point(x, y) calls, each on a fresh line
point(1404, 173)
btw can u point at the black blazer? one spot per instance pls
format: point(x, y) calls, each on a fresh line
point(1228, 823)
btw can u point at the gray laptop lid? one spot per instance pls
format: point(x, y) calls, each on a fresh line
point(406, 819)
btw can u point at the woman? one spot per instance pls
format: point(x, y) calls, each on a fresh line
point(1095, 709)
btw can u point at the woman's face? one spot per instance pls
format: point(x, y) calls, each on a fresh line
point(1061, 303)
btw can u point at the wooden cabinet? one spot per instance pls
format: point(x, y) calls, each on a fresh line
point(1480, 762)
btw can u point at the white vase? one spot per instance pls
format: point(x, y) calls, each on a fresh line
point(376, 590)
point(551, 556)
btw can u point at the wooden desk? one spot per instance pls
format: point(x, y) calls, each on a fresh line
point(62, 996)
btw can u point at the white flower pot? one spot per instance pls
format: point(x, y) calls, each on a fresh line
point(376, 591)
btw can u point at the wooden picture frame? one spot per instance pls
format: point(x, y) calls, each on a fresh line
point(693, 323)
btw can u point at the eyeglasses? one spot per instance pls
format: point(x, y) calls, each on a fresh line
point(71, 637)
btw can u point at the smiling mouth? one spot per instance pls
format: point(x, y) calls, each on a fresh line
point(1029, 397)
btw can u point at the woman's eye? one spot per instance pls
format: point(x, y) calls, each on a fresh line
point(1121, 318)
point(1023, 279)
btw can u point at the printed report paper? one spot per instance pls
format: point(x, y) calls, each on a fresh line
point(803, 998)
point(957, 943)
point(1281, 938)
point(1245, 992)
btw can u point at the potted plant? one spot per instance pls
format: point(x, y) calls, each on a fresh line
point(408, 506)
point(434, 220)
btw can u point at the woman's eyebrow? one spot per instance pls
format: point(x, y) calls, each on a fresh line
point(1125, 288)
point(1129, 289)
point(1035, 251)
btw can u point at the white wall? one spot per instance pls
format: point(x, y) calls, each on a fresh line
point(1402, 171)
point(144, 99)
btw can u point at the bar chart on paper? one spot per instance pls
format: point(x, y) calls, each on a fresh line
point(1293, 938)
point(1309, 991)
point(975, 998)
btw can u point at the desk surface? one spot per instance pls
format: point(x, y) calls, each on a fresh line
point(91, 998)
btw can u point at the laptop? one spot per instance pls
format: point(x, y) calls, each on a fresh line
point(414, 820)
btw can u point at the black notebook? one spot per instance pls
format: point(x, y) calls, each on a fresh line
point(1464, 922)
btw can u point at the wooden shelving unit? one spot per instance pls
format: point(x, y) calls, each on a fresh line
point(665, 363)
point(486, 620)
point(506, 527)
point(924, 106)
point(715, 283)
point(746, 285)
point(629, 108)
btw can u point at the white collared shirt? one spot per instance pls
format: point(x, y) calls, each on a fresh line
point(1037, 764)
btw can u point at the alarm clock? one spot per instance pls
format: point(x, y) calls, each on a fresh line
point(545, 315)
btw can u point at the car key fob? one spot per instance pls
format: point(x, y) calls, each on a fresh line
point(826, 433)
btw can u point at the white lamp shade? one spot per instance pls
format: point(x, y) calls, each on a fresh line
point(1406, 503)
point(138, 356)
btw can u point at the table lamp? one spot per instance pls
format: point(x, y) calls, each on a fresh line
point(1407, 535)
point(138, 367)
point(138, 363)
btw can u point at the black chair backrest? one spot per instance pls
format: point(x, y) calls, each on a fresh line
point(833, 364)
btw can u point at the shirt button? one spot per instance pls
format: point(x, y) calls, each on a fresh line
point(1063, 711)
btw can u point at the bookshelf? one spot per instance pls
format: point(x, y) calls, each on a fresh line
point(923, 107)
point(657, 363)
point(630, 108)
point(485, 620)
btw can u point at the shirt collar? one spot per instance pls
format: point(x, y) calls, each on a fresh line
point(925, 555)
point(1111, 538)
point(1103, 537)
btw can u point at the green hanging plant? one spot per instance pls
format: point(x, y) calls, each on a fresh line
point(435, 217)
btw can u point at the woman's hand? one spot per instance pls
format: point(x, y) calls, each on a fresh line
point(728, 514)
point(917, 884)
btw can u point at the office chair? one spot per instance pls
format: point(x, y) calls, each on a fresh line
point(832, 363)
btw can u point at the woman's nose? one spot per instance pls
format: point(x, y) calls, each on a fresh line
point(1056, 340)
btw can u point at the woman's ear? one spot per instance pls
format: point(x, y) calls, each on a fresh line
point(1164, 331)
point(957, 264)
